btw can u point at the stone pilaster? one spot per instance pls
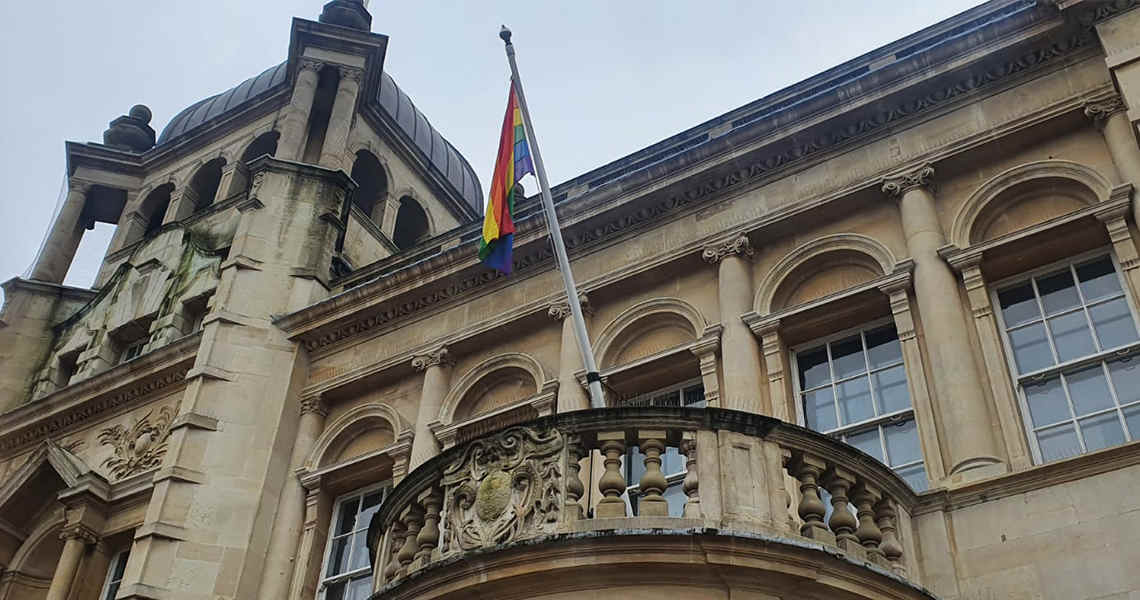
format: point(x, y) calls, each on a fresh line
point(294, 123)
point(340, 123)
point(436, 367)
point(961, 402)
point(571, 394)
point(63, 239)
point(740, 354)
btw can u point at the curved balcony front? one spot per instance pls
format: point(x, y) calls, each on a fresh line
point(546, 509)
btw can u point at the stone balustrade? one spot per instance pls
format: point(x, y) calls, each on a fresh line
point(563, 476)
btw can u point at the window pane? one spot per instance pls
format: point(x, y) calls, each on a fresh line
point(1030, 348)
point(1058, 292)
point(1098, 279)
point(855, 400)
point(1046, 402)
point(635, 465)
point(112, 591)
point(1057, 443)
point(814, 371)
point(694, 396)
point(359, 550)
point(335, 591)
point(848, 358)
point(1113, 322)
point(819, 410)
point(902, 442)
point(1018, 305)
point(676, 499)
point(867, 441)
point(883, 347)
point(915, 476)
point(359, 589)
point(1071, 336)
point(1102, 431)
point(347, 515)
point(1088, 390)
point(672, 462)
point(1132, 418)
point(120, 566)
point(338, 556)
point(1126, 380)
point(368, 508)
point(890, 386)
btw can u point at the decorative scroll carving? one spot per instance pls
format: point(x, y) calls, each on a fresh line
point(504, 488)
point(140, 446)
point(78, 531)
point(738, 246)
point(1100, 110)
point(435, 358)
point(900, 184)
point(561, 309)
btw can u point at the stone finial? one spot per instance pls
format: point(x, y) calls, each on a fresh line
point(131, 131)
point(347, 13)
point(560, 309)
point(739, 245)
point(899, 184)
point(1100, 110)
point(435, 358)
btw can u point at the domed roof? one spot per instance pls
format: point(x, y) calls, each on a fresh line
point(434, 149)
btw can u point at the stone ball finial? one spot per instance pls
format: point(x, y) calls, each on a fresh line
point(505, 34)
point(347, 13)
point(140, 113)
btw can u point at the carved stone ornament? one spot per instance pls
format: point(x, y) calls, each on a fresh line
point(560, 310)
point(309, 64)
point(1101, 110)
point(139, 447)
point(504, 488)
point(899, 184)
point(436, 358)
point(738, 245)
point(351, 74)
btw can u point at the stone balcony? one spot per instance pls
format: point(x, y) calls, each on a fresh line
point(511, 511)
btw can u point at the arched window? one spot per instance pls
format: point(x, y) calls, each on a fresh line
point(154, 208)
point(204, 184)
point(265, 144)
point(411, 224)
point(372, 192)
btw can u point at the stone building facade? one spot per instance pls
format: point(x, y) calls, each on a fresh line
point(872, 336)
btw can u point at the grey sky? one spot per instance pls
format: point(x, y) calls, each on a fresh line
point(603, 78)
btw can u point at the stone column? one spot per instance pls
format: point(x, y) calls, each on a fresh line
point(340, 122)
point(75, 540)
point(740, 354)
point(435, 366)
point(571, 394)
point(1111, 117)
point(961, 402)
point(63, 239)
point(284, 541)
point(295, 120)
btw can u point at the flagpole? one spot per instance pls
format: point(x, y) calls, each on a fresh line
point(593, 380)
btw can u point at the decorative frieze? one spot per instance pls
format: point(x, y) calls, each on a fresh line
point(899, 184)
point(737, 246)
point(139, 447)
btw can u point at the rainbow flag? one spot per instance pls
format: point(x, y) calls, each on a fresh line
point(511, 164)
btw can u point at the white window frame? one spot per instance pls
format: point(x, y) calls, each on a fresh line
point(876, 422)
point(121, 555)
point(1101, 357)
point(323, 579)
point(678, 388)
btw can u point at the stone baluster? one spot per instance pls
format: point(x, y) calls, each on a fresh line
point(838, 481)
point(891, 547)
point(691, 485)
point(807, 470)
point(868, 532)
point(575, 452)
point(653, 483)
point(398, 533)
point(428, 538)
point(611, 484)
point(413, 518)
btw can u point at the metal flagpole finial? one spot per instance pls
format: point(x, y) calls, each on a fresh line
point(505, 34)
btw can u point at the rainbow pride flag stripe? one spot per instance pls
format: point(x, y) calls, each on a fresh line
point(511, 164)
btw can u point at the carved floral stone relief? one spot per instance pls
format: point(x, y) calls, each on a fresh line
point(504, 488)
point(139, 447)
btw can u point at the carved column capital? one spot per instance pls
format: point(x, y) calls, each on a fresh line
point(310, 64)
point(737, 246)
point(435, 358)
point(1100, 110)
point(79, 531)
point(353, 74)
point(560, 310)
point(898, 184)
point(315, 405)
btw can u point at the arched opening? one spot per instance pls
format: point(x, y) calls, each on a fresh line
point(265, 144)
point(204, 185)
point(411, 224)
point(825, 274)
point(1027, 204)
point(500, 388)
point(372, 192)
point(154, 208)
point(327, 82)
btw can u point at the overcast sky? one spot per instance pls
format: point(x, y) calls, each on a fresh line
point(603, 78)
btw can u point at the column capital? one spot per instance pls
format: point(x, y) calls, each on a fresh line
point(309, 64)
point(916, 177)
point(314, 404)
point(79, 531)
point(737, 246)
point(78, 185)
point(353, 74)
point(435, 358)
point(560, 309)
point(1100, 110)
